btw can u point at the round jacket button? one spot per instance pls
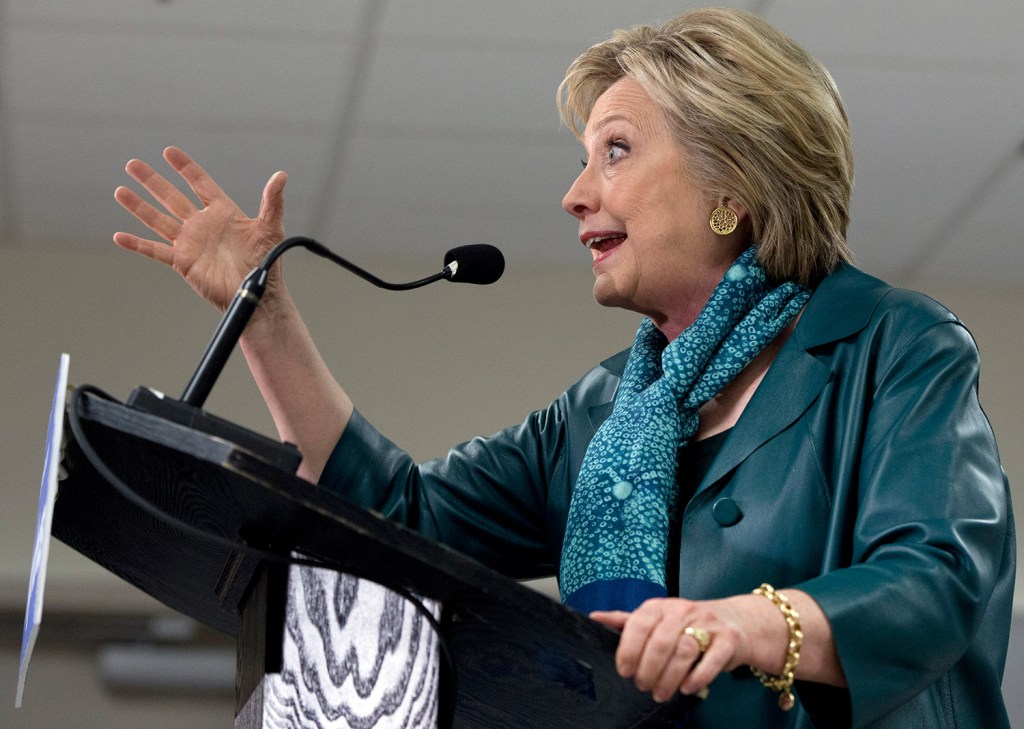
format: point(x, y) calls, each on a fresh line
point(726, 512)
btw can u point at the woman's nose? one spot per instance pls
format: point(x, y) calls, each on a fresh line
point(581, 198)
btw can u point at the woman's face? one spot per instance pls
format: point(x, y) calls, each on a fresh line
point(643, 218)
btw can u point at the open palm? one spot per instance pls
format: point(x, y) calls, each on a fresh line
point(214, 246)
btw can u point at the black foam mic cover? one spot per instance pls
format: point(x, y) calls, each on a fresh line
point(478, 264)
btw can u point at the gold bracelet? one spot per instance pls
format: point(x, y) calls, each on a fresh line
point(783, 683)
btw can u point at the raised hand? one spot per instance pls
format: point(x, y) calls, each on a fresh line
point(213, 247)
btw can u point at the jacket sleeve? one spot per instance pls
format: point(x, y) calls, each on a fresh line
point(502, 500)
point(487, 498)
point(927, 528)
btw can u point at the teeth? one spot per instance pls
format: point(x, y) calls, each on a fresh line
point(594, 241)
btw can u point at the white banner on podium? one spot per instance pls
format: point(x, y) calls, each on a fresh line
point(44, 521)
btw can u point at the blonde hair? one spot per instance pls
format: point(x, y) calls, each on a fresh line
point(759, 120)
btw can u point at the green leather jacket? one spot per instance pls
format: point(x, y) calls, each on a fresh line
point(863, 471)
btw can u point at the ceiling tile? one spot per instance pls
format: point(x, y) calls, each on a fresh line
point(464, 88)
point(949, 34)
point(280, 17)
point(65, 176)
point(571, 24)
point(165, 77)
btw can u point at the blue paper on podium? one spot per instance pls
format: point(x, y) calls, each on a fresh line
point(44, 520)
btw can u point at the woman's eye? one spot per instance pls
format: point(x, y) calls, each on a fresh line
point(616, 150)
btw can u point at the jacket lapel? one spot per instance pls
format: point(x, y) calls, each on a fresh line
point(792, 383)
point(616, 365)
point(599, 413)
point(841, 306)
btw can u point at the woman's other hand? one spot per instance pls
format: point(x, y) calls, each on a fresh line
point(655, 651)
point(213, 247)
point(658, 654)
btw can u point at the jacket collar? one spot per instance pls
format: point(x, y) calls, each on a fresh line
point(842, 305)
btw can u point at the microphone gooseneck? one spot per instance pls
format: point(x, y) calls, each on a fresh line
point(477, 264)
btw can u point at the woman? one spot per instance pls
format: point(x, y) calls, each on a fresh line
point(781, 419)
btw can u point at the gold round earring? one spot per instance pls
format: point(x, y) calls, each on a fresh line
point(724, 220)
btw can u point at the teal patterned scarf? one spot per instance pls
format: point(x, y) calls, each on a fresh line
point(616, 539)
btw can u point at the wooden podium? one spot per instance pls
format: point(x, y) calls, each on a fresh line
point(225, 534)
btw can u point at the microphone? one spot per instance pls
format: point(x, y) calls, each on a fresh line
point(476, 264)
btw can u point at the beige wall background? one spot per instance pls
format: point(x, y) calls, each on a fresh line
point(430, 368)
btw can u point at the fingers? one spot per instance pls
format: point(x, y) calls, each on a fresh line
point(173, 199)
point(664, 659)
point(614, 619)
point(678, 670)
point(640, 636)
point(148, 248)
point(163, 225)
point(197, 178)
point(656, 652)
point(711, 663)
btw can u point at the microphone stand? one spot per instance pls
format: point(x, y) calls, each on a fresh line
point(228, 332)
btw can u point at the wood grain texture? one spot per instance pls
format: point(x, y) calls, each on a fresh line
point(355, 655)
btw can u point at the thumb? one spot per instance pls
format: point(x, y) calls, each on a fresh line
point(272, 203)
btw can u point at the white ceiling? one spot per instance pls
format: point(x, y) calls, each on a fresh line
point(410, 126)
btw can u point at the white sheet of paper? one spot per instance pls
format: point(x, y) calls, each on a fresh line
point(44, 521)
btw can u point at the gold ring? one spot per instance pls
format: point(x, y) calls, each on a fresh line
point(700, 635)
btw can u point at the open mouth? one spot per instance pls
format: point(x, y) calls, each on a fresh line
point(604, 245)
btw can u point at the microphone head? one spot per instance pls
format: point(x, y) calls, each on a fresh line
point(476, 264)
